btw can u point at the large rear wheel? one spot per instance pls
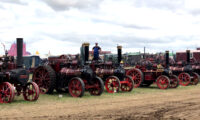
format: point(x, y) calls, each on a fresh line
point(136, 75)
point(45, 78)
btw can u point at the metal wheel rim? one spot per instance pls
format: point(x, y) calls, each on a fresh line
point(129, 86)
point(42, 78)
point(174, 82)
point(162, 82)
point(75, 87)
point(6, 92)
point(31, 92)
point(136, 76)
point(97, 89)
point(184, 79)
point(112, 84)
point(195, 79)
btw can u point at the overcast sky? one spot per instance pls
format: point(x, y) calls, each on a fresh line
point(61, 26)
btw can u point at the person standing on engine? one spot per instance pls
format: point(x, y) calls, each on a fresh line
point(96, 50)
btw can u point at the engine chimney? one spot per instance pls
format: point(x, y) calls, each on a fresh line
point(19, 52)
point(167, 58)
point(86, 51)
point(188, 56)
point(119, 53)
point(144, 52)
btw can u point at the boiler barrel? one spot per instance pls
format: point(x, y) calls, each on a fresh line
point(100, 71)
point(70, 72)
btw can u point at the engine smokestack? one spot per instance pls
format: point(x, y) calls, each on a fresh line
point(188, 56)
point(144, 52)
point(19, 52)
point(86, 51)
point(119, 53)
point(167, 58)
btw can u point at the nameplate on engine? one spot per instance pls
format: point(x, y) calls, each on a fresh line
point(23, 76)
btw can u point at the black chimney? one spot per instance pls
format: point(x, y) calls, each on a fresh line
point(86, 51)
point(144, 52)
point(167, 58)
point(119, 53)
point(19, 52)
point(188, 56)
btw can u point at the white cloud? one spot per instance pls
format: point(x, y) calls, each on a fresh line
point(62, 25)
point(67, 4)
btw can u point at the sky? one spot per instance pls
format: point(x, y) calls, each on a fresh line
point(61, 26)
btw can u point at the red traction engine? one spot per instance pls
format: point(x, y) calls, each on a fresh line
point(185, 72)
point(66, 73)
point(113, 75)
point(14, 79)
point(195, 62)
point(148, 71)
point(196, 67)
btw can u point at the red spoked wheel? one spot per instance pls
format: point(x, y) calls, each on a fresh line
point(163, 82)
point(174, 82)
point(136, 75)
point(31, 92)
point(184, 79)
point(112, 84)
point(76, 87)
point(99, 87)
point(45, 78)
point(7, 92)
point(195, 78)
point(127, 87)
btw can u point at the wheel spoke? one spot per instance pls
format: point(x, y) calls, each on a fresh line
point(30, 93)
point(75, 87)
point(6, 93)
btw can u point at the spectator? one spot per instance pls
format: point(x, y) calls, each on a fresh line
point(96, 50)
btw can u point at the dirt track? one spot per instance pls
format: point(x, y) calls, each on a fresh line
point(172, 105)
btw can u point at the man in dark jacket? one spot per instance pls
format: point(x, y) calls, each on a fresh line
point(96, 50)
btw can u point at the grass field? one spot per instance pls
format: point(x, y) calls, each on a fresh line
point(141, 103)
point(46, 98)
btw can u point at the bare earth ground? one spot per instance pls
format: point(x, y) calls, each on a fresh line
point(176, 104)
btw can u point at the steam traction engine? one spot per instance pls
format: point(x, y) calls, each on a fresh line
point(195, 66)
point(185, 72)
point(66, 73)
point(14, 79)
point(113, 75)
point(195, 61)
point(149, 71)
